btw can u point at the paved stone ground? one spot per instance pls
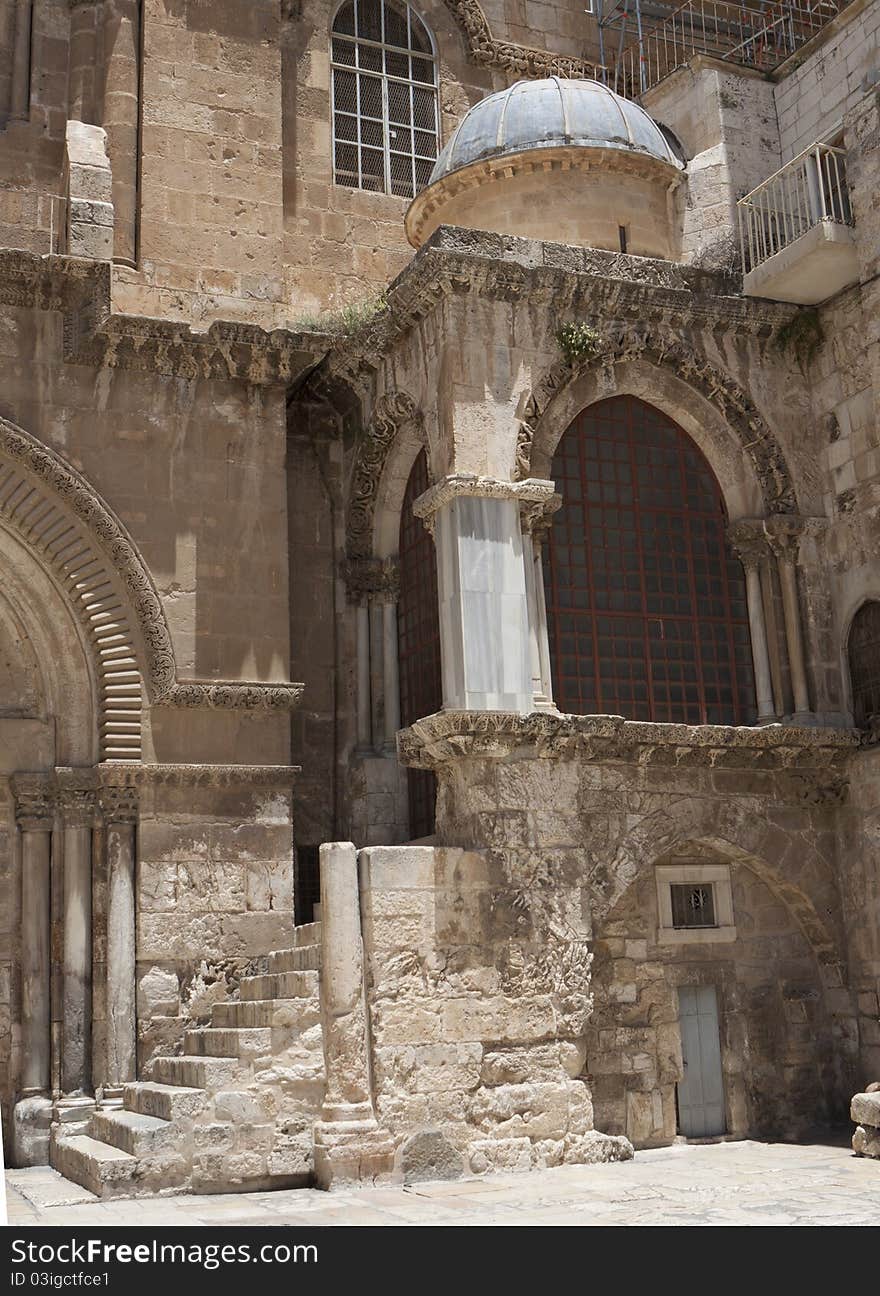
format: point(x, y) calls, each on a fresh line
point(722, 1183)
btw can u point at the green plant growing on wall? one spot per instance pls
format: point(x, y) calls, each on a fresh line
point(802, 336)
point(343, 322)
point(579, 342)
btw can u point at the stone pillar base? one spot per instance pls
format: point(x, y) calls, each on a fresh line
point(352, 1152)
point(31, 1121)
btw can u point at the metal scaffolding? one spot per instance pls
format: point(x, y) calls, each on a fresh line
point(642, 41)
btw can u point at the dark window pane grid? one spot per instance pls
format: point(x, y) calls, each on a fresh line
point(864, 663)
point(637, 566)
point(418, 629)
point(389, 85)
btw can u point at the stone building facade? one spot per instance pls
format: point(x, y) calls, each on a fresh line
point(486, 548)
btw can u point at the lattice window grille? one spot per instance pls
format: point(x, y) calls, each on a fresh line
point(385, 107)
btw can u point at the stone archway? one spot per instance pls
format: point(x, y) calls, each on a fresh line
point(777, 982)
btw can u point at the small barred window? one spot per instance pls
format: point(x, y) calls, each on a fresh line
point(693, 906)
point(864, 665)
point(385, 115)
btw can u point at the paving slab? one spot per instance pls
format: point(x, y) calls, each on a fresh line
point(716, 1185)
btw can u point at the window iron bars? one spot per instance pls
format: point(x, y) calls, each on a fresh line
point(385, 106)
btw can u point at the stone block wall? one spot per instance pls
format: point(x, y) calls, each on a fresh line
point(813, 96)
point(477, 1037)
point(215, 895)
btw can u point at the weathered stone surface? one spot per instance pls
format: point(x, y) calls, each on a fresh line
point(428, 1155)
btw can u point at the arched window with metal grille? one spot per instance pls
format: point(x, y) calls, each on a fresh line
point(646, 604)
point(418, 639)
point(863, 650)
point(385, 108)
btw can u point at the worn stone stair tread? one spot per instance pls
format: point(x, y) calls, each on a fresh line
point(87, 1146)
point(276, 985)
point(127, 1129)
point(175, 1100)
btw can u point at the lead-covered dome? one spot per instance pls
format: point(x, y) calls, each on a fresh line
point(548, 113)
point(559, 160)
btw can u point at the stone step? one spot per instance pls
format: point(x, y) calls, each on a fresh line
point(132, 1132)
point(287, 1014)
point(278, 985)
point(302, 958)
point(200, 1072)
point(307, 934)
point(167, 1102)
point(102, 1169)
point(228, 1041)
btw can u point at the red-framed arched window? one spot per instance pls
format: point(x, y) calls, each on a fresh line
point(863, 651)
point(418, 638)
point(646, 604)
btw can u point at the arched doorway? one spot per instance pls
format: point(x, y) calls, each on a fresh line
point(646, 605)
point(418, 629)
point(863, 652)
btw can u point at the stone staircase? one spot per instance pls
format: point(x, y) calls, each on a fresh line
point(233, 1112)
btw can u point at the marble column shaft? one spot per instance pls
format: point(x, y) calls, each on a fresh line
point(34, 814)
point(120, 812)
point(342, 988)
point(77, 809)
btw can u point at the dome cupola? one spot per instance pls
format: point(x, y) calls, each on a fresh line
point(563, 160)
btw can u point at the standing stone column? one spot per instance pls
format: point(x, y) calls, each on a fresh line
point(348, 1142)
point(484, 606)
point(19, 92)
point(535, 519)
point(119, 806)
point(121, 96)
point(34, 813)
point(77, 802)
point(750, 545)
point(784, 533)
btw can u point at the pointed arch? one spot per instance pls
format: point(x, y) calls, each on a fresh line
point(54, 512)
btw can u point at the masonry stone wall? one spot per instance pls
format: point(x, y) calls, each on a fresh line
point(813, 96)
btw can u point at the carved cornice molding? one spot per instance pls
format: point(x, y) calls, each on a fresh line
point(561, 280)
point(96, 336)
point(391, 413)
point(245, 695)
point(119, 775)
point(522, 60)
point(456, 735)
point(118, 803)
point(533, 491)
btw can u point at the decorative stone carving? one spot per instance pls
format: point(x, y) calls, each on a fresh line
point(451, 735)
point(530, 492)
point(521, 60)
point(367, 578)
point(243, 695)
point(392, 411)
point(34, 801)
point(77, 796)
point(748, 539)
point(119, 803)
point(660, 345)
point(137, 776)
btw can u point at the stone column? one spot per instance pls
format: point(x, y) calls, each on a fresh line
point(19, 93)
point(120, 116)
point(484, 609)
point(77, 802)
point(34, 813)
point(83, 60)
point(119, 807)
point(750, 544)
point(348, 1142)
point(784, 533)
point(535, 518)
point(364, 709)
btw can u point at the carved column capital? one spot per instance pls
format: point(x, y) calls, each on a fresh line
point(77, 796)
point(536, 516)
point(34, 801)
point(119, 804)
point(367, 578)
point(749, 541)
point(784, 532)
point(532, 491)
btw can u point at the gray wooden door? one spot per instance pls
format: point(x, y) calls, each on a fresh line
point(701, 1091)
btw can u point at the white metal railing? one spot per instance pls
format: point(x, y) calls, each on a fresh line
point(759, 35)
point(809, 189)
